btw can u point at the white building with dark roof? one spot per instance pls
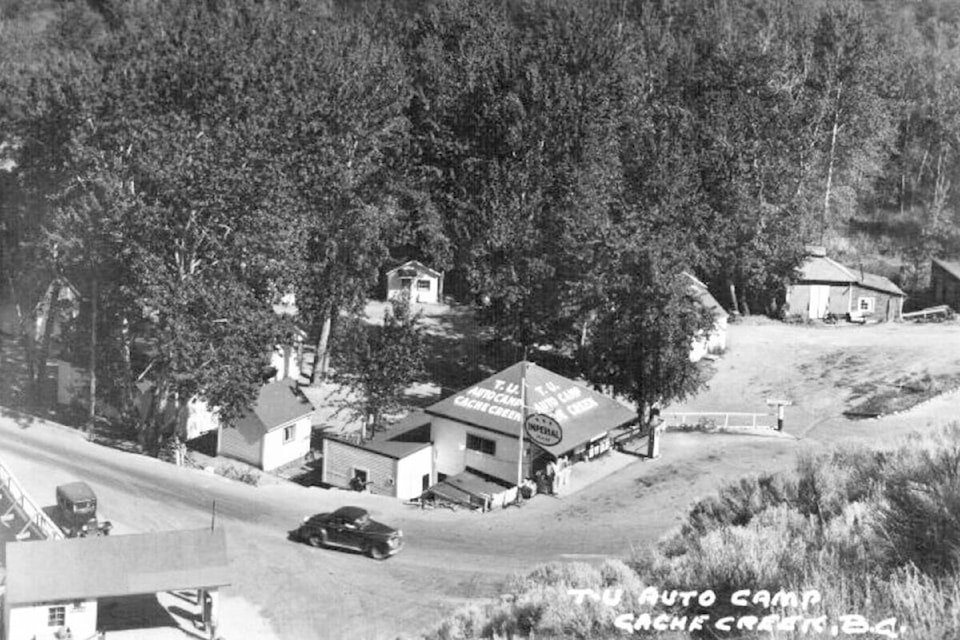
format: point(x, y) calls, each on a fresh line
point(274, 432)
point(54, 587)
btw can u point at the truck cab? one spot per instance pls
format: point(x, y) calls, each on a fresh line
point(77, 510)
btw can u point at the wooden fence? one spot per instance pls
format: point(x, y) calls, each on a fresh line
point(720, 420)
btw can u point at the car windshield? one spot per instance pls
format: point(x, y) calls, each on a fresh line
point(86, 506)
point(362, 521)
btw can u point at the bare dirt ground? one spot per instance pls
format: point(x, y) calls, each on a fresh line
point(453, 558)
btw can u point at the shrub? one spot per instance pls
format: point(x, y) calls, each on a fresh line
point(242, 474)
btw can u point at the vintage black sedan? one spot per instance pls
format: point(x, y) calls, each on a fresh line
point(350, 528)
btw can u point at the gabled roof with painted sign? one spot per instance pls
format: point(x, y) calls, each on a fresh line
point(494, 404)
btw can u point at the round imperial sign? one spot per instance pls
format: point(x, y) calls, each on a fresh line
point(543, 429)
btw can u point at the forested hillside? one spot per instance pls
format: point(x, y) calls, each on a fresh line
point(185, 163)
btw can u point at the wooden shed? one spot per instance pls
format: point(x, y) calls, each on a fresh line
point(825, 286)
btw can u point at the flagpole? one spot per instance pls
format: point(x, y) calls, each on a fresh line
point(523, 418)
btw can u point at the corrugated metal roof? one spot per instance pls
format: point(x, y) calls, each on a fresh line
point(82, 568)
point(824, 269)
point(494, 404)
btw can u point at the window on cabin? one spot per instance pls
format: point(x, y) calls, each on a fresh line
point(865, 305)
point(56, 616)
point(423, 285)
point(481, 445)
point(289, 433)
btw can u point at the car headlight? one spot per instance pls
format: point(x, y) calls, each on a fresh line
point(83, 528)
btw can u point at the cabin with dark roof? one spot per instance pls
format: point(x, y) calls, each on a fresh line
point(274, 432)
point(824, 286)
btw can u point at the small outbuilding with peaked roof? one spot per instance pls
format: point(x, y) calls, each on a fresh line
point(825, 286)
point(478, 429)
point(423, 284)
point(397, 464)
point(274, 432)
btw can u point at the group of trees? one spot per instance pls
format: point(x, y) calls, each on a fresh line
point(186, 163)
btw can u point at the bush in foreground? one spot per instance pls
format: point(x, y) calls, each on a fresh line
point(875, 533)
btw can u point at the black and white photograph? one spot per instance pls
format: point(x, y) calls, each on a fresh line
point(479, 319)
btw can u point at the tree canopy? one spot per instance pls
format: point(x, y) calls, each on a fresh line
point(186, 164)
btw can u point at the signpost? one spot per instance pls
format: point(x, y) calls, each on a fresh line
point(779, 404)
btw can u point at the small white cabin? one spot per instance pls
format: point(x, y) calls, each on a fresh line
point(425, 285)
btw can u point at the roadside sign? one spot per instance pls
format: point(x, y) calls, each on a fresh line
point(543, 429)
point(774, 402)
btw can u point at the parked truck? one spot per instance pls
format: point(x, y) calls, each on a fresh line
point(77, 511)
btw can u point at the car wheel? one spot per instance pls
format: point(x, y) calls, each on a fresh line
point(376, 552)
point(318, 539)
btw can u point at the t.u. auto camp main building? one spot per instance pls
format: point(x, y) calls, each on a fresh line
point(474, 436)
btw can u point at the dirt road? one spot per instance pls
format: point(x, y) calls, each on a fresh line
point(451, 557)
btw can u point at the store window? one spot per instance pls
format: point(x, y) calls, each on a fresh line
point(481, 445)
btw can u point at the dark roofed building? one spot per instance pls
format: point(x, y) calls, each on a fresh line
point(945, 283)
